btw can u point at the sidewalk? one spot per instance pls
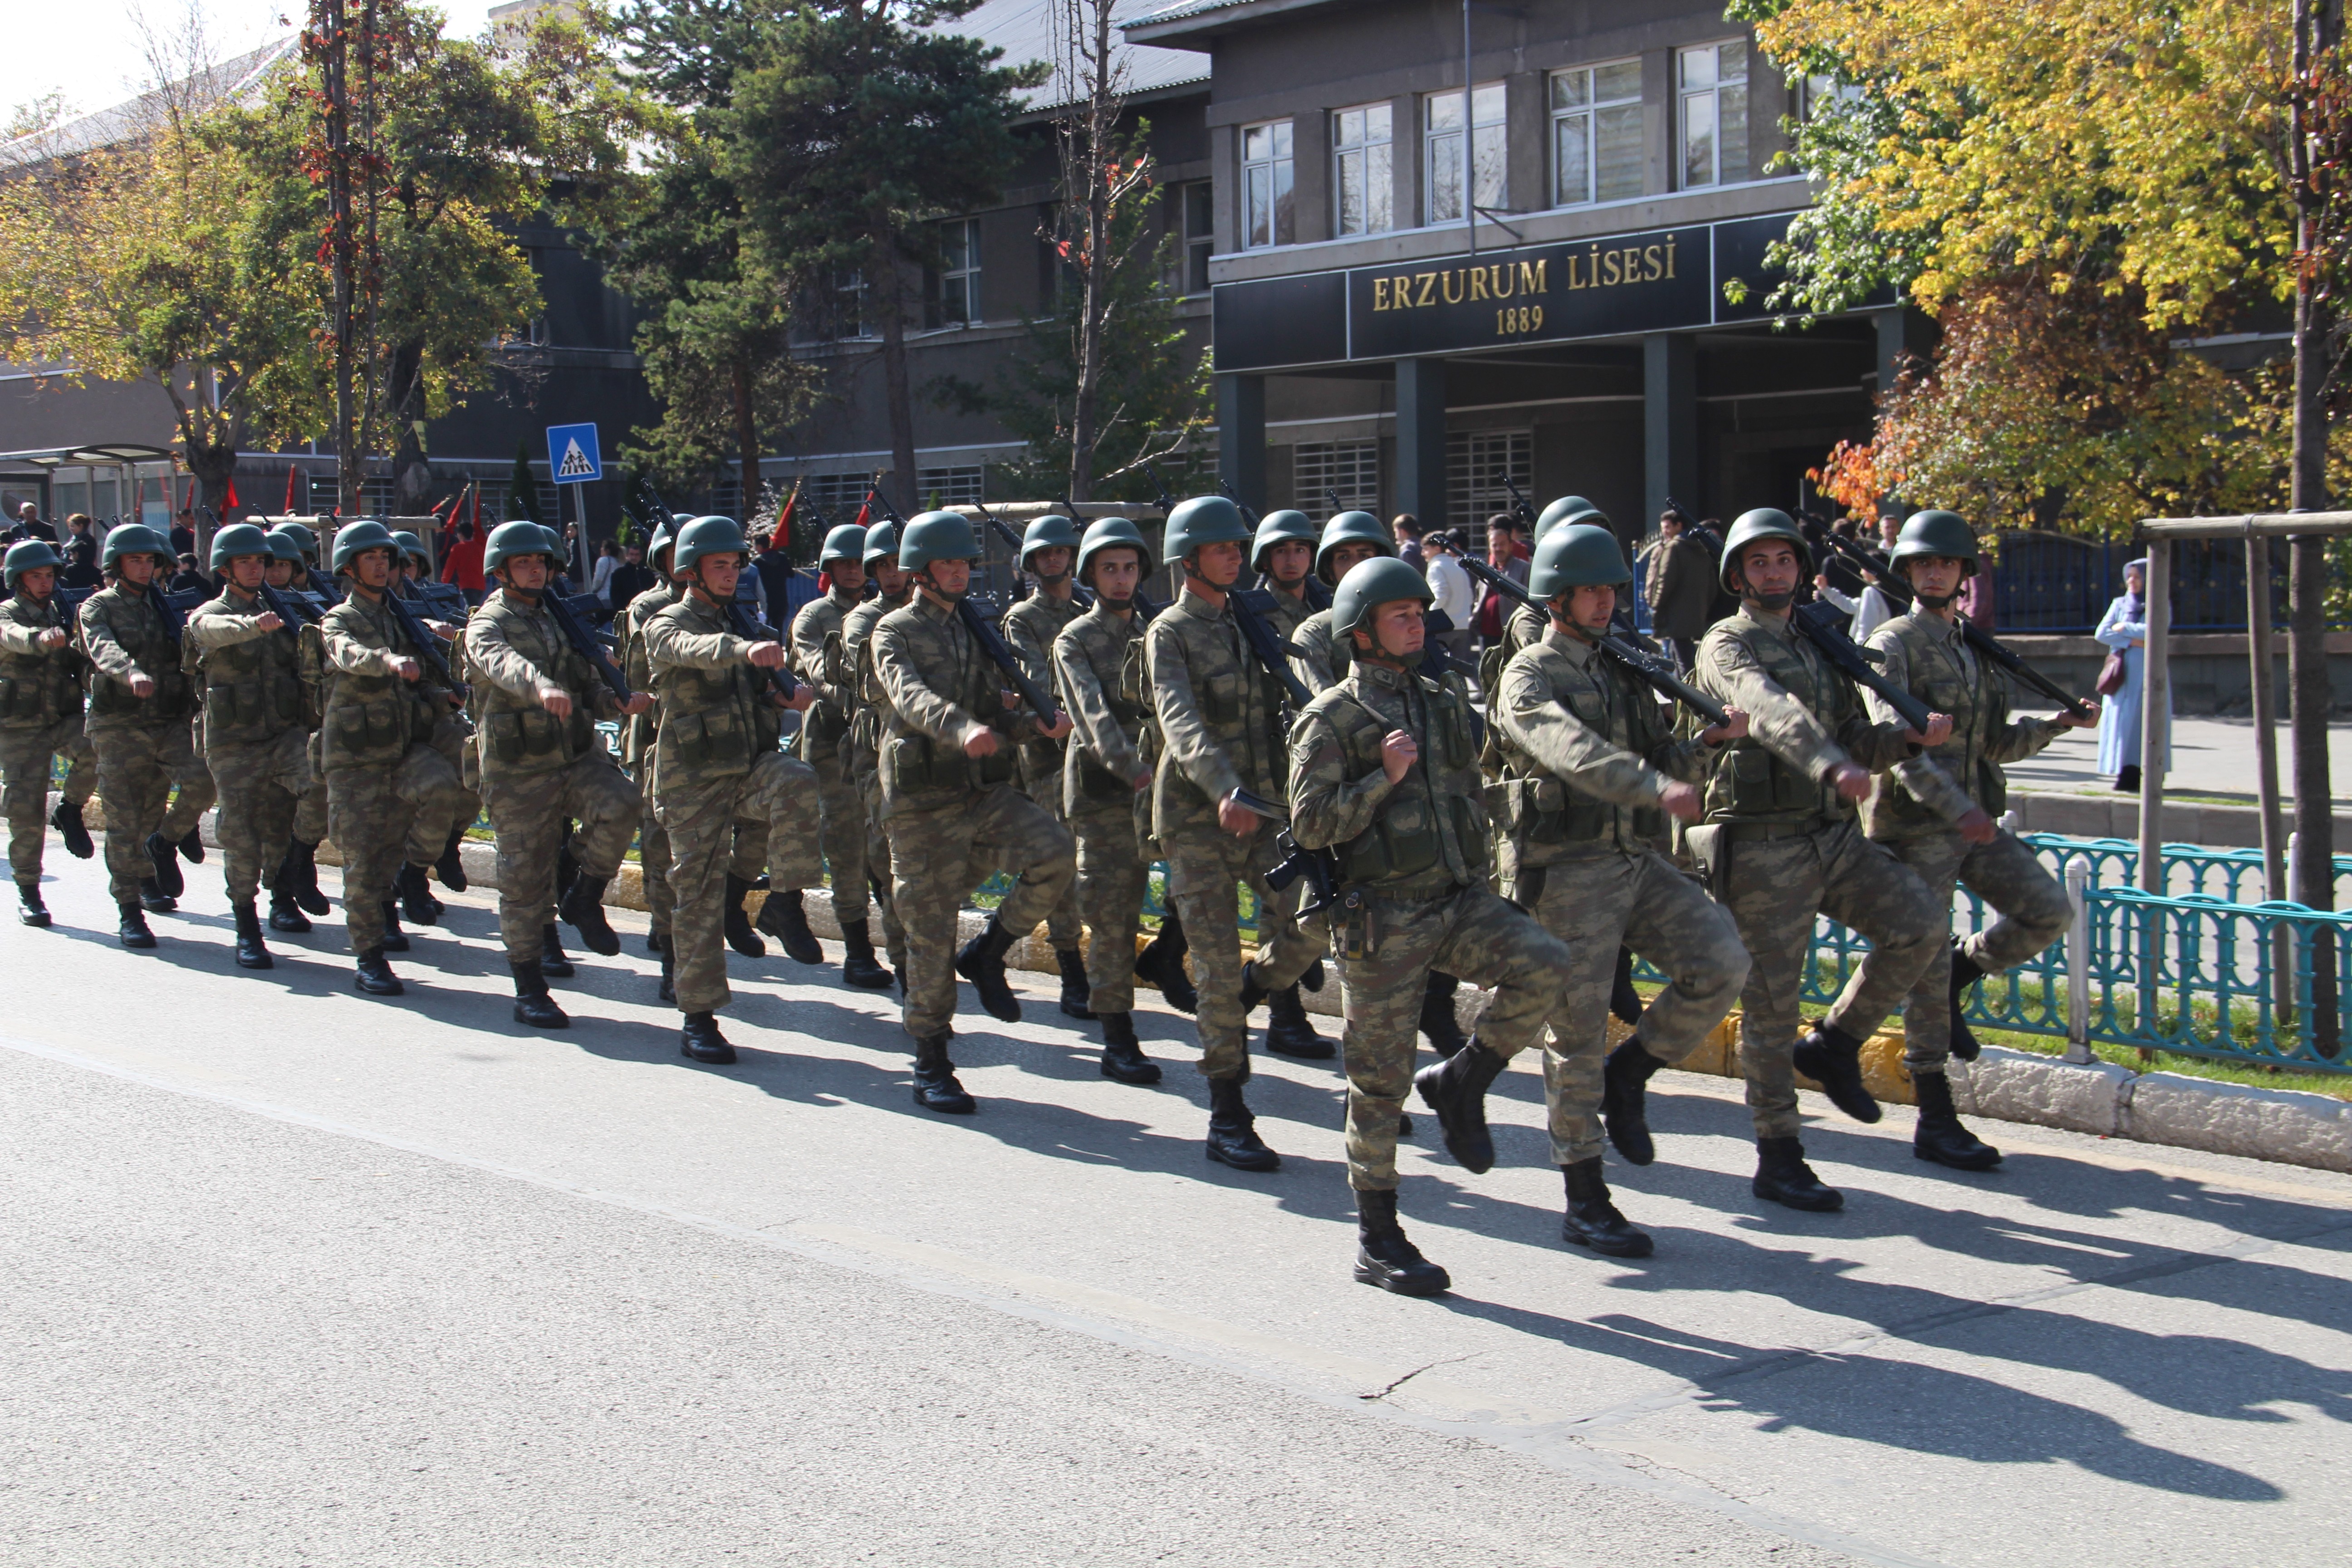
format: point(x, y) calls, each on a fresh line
point(2211, 757)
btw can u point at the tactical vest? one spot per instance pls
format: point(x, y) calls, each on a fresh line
point(1403, 853)
point(154, 650)
point(39, 690)
point(253, 689)
point(370, 720)
point(712, 725)
point(1979, 709)
point(1748, 784)
point(1542, 811)
point(514, 734)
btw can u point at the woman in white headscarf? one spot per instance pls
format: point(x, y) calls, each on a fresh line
point(2124, 628)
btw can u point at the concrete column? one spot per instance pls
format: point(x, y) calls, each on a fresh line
point(1669, 422)
point(1241, 436)
point(1420, 440)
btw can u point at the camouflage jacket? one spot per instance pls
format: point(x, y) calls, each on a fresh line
point(1220, 715)
point(718, 709)
point(38, 686)
point(1588, 750)
point(939, 684)
point(639, 730)
point(1291, 611)
point(1107, 727)
point(1423, 835)
point(1323, 661)
point(1804, 720)
point(868, 701)
point(826, 723)
point(371, 715)
point(513, 648)
point(1030, 628)
point(1929, 657)
point(253, 689)
point(123, 634)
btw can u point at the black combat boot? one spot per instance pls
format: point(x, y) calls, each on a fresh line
point(191, 846)
point(532, 1004)
point(657, 942)
point(451, 867)
point(1592, 1220)
point(66, 818)
point(1232, 1131)
point(1623, 1000)
point(133, 930)
point(252, 953)
point(29, 908)
point(1077, 994)
point(395, 939)
point(1832, 1059)
point(1783, 1177)
point(1385, 1259)
point(669, 974)
point(374, 975)
point(553, 961)
point(858, 966)
point(285, 914)
point(419, 907)
point(1437, 1020)
point(1624, 1101)
point(1965, 974)
point(165, 856)
point(1162, 964)
point(583, 910)
point(1456, 1089)
point(298, 876)
point(785, 917)
point(1941, 1135)
point(1123, 1060)
point(739, 934)
point(1287, 1031)
point(936, 1087)
point(701, 1041)
point(981, 962)
point(153, 899)
point(1313, 979)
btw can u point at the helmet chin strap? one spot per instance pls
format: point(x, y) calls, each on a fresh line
point(1192, 570)
point(1934, 601)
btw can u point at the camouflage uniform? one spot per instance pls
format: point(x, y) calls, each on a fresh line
point(824, 733)
point(1030, 628)
point(541, 772)
point(1109, 816)
point(256, 732)
point(638, 733)
point(869, 703)
point(143, 745)
point(389, 787)
point(1221, 728)
point(40, 719)
point(1914, 808)
point(1322, 660)
point(717, 766)
point(1412, 860)
point(1587, 753)
point(1788, 846)
point(953, 819)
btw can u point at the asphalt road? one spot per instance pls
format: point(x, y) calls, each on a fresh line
point(293, 1275)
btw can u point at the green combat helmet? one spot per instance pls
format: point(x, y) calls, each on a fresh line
point(1567, 509)
point(938, 536)
point(1370, 584)
point(882, 542)
point(508, 541)
point(1749, 528)
point(660, 541)
point(1352, 528)
point(1945, 533)
point(411, 546)
point(1112, 532)
point(239, 539)
point(1047, 532)
point(353, 538)
point(1579, 555)
point(133, 539)
point(284, 549)
point(1203, 519)
point(846, 543)
point(30, 555)
point(1281, 528)
point(304, 540)
point(707, 536)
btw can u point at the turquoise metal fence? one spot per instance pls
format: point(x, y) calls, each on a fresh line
point(2235, 874)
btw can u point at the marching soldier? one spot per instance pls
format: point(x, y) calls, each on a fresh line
point(257, 734)
point(1591, 770)
point(1781, 844)
point(536, 699)
point(1350, 537)
point(417, 903)
point(1384, 774)
point(637, 738)
point(869, 702)
point(1221, 746)
point(1938, 814)
point(41, 676)
point(1106, 779)
point(947, 797)
point(1049, 548)
point(306, 575)
point(1282, 555)
point(384, 775)
point(294, 893)
point(716, 763)
point(140, 715)
point(1526, 624)
point(825, 734)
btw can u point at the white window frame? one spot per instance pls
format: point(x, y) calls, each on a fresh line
point(1473, 492)
point(1702, 104)
point(1350, 468)
point(967, 275)
point(1445, 153)
point(1269, 185)
point(1591, 111)
point(849, 305)
point(1364, 157)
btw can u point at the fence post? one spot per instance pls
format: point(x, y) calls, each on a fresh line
point(2078, 960)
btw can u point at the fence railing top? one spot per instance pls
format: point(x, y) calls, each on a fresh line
point(2254, 525)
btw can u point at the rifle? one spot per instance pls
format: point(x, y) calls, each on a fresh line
point(984, 635)
point(1320, 867)
point(1891, 584)
point(1631, 657)
point(562, 608)
point(428, 646)
point(1520, 508)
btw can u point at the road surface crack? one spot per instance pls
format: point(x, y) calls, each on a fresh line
point(1383, 1392)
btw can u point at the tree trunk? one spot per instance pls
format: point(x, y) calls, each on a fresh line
point(906, 480)
point(747, 441)
point(412, 470)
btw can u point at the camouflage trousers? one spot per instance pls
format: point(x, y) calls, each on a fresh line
point(868, 780)
point(1775, 886)
point(310, 811)
point(1471, 933)
point(2031, 911)
point(936, 859)
point(25, 764)
point(138, 764)
point(372, 815)
point(1041, 768)
point(653, 853)
point(529, 813)
point(1113, 869)
point(1206, 864)
point(701, 816)
point(1597, 904)
point(453, 737)
point(841, 830)
point(261, 785)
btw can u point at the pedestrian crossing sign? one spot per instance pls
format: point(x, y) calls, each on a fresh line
point(571, 454)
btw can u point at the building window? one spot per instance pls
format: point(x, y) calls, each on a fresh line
point(1819, 93)
point(1596, 133)
point(1191, 224)
point(1267, 216)
point(1712, 82)
point(1476, 462)
point(849, 305)
point(1442, 152)
point(1363, 176)
point(958, 486)
point(1351, 468)
point(956, 295)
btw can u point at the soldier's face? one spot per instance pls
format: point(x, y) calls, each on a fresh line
point(1343, 556)
point(1398, 629)
point(1590, 607)
point(372, 568)
point(35, 582)
point(1935, 578)
point(1114, 572)
point(527, 573)
point(1289, 561)
point(1218, 565)
point(889, 577)
point(277, 574)
point(245, 571)
point(849, 576)
point(718, 574)
point(1051, 564)
point(136, 570)
point(1770, 571)
point(951, 579)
